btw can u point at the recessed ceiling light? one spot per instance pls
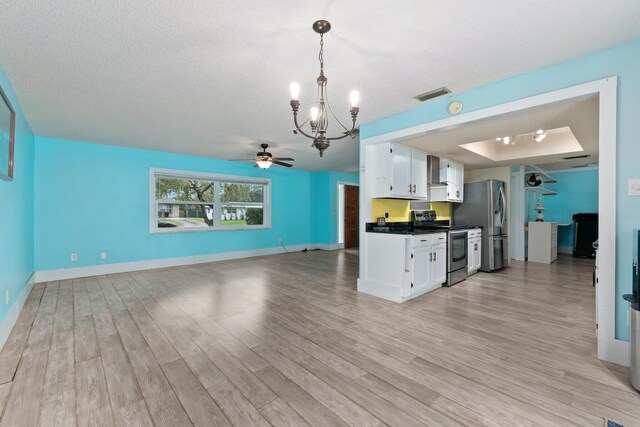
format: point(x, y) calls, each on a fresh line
point(539, 135)
point(506, 140)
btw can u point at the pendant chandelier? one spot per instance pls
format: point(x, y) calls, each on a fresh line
point(319, 115)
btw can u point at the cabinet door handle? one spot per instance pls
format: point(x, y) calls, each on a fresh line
point(430, 256)
point(435, 256)
point(410, 188)
point(414, 188)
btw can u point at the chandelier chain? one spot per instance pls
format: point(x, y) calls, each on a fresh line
point(320, 54)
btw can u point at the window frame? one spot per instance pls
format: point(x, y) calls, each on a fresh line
point(217, 179)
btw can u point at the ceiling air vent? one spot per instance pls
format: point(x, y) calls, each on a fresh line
point(433, 94)
point(583, 156)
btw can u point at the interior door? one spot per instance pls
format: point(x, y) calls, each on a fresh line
point(401, 171)
point(351, 216)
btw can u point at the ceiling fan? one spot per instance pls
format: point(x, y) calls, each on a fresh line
point(264, 159)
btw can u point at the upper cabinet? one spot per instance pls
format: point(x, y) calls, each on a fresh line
point(452, 175)
point(396, 171)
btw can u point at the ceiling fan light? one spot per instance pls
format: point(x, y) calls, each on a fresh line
point(263, 164)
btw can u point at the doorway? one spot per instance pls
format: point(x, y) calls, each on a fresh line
point(351, 216)
point(610, 348)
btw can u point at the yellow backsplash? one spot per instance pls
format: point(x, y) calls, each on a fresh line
point(444, 210)
point(399, 210)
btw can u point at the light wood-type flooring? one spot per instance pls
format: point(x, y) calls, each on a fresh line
point(287, 340)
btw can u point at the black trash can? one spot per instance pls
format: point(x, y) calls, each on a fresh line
point(585, 232)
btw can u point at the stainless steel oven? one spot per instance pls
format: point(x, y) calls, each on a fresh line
point(456, 256)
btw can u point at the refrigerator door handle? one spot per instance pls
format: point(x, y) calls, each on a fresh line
point(503, 197)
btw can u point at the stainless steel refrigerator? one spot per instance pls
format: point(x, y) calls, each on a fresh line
point(485, 205)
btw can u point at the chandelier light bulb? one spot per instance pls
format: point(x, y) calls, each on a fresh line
point(295, 90)
point(314, 113)
point(354, 97)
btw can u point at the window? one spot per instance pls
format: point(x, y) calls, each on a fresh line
point(188, 201)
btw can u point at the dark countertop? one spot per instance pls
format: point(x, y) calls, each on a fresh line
point(406, 228)
point(633, 300)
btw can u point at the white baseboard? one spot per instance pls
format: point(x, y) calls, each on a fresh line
point(97, 270)
point(328, 246)
point(614, 351)
point(12, 316)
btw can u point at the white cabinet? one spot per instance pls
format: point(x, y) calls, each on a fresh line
point(543, 241)
point(421, 266)
point(400, 267)
point(439, 250)
point(396, 171)
point(429, 263)
point(401, 176)
point(452, 174)
point(419, 173)
point(474, 250)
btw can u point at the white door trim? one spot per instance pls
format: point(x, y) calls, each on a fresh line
point(609, 348)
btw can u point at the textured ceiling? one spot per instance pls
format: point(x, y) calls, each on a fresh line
point(211, 78)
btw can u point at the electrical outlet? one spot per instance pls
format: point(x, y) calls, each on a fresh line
point(634, 187)
point(74, 256)
point(7, 296)
point(103, 255)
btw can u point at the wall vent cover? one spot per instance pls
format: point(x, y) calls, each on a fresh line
point(433, 94)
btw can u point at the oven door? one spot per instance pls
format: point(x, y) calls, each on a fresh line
point(457, 254)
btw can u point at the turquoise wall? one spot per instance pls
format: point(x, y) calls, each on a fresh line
point(577, 193)
point(92, 198)
point(16, 213)
point(622, 61)
point(324, 204)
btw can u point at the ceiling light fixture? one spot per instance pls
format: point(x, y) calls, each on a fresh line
point(319, 115)
point(506, 140)
point(263, 164)
point(539, 135)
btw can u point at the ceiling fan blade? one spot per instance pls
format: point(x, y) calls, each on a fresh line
point(242, 160)
point(276, 162)
point(284, 158)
